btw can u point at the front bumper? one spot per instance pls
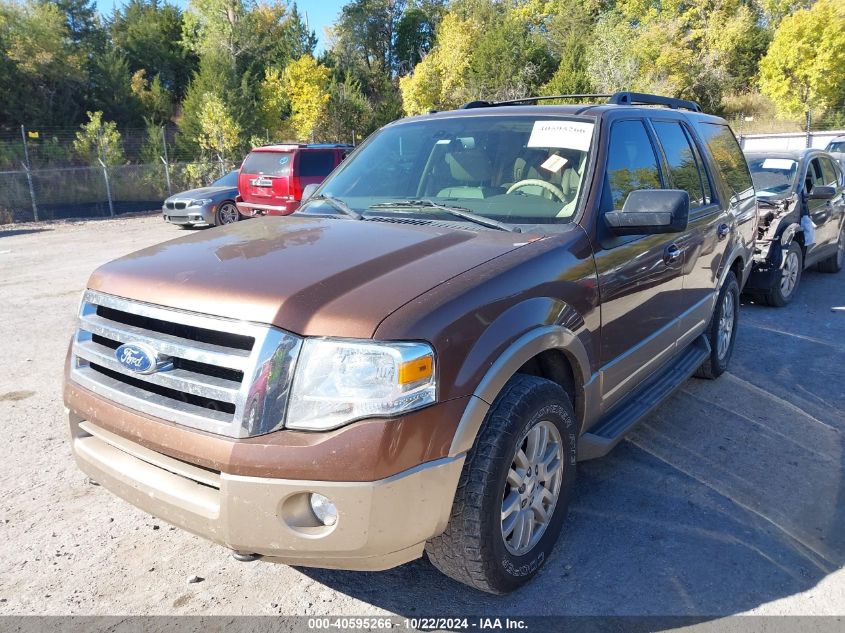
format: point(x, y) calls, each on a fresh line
point(380, 524)
point(190, 215)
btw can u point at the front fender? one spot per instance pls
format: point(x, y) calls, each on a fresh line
point(530, 344)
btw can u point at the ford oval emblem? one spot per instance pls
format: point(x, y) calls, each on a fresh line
point(139, 358)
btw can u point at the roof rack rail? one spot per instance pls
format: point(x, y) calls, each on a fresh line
point(617, 98)
point(529, 100)
point(641, 98)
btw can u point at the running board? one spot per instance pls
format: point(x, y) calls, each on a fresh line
point(608, 431)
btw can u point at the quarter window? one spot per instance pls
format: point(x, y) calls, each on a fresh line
point(315, 164)
point(728, 156)
point(684, 168)
point(631, 162)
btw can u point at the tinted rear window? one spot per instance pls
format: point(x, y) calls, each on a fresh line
point(315, 164)
point(269, 163)
point(728, 156)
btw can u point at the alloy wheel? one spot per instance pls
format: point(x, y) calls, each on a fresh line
point(789, 274)
point(727, 319)
point(532, 489)
point(228, 213)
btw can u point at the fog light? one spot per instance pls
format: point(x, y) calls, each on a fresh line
point(323, 509)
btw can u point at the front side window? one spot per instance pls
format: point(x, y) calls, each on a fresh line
point(772, 176)
point(684, 167)
point(631, 163)
point(728, 155)
point(519, 169)
point(836, 146)
point(830, 172)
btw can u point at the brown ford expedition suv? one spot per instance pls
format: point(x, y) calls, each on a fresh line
point(415, 359)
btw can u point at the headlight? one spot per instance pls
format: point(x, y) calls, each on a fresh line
point(200, 203)
point(338, 381)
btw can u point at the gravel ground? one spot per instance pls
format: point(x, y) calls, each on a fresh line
point(729, 499)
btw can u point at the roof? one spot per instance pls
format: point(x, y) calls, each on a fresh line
point(287, 147)
point(794, 154)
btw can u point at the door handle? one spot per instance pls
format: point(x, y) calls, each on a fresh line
point(722, 231)
point(671, 254)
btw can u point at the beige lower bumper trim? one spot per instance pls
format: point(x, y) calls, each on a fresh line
point(380, 524)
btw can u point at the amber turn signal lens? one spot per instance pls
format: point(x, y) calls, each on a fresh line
point(417, 369)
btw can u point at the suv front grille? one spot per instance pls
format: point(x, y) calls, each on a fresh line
point(226, 377)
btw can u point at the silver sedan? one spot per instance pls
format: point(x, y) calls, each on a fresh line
point(207, 206)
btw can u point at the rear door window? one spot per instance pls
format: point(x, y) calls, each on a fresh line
point(315, 164)
point(684, 166)
point(631, 163)
point(267, 163)
point(728, 155)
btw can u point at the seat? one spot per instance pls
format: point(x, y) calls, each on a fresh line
point(472, 170)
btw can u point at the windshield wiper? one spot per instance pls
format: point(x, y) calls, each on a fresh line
point(337, 204)
point(460, 212)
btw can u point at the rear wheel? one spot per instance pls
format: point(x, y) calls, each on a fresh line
point(783, 290)
point(514, 490)
point(227, 213)
point(834, 263)
point(721, 334)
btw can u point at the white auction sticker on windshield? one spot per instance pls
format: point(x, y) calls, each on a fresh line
point(778, 163)
point(563, 134)
point(554, 163)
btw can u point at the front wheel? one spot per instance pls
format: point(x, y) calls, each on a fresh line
point(721, 333)
point(783, 290)
point(514, 490)
point(227, 213)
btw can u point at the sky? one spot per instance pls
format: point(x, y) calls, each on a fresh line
point(321, 13)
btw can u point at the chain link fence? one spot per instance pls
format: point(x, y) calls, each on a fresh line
point(85, 192)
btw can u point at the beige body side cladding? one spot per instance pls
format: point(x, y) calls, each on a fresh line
point(381, 524)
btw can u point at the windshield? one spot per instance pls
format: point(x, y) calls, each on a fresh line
point(229, 180)
point(836, 146)
point(513, 169)
point(772, 176)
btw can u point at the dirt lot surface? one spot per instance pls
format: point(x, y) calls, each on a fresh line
point(729, 499)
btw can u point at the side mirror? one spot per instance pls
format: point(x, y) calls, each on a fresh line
point(309, 191)
point(822, 192)
point(648, 211)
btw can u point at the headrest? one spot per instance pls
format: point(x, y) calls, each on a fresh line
point(471, 165)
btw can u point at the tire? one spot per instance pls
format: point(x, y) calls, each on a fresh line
point(783, 291)
point(720, 354)
point(226, 213)
point(834, 263)
point(473, 549)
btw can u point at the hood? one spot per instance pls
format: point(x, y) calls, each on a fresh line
point(308, 275)
point(202, 192)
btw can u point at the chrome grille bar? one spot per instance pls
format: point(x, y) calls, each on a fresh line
point(227, 377)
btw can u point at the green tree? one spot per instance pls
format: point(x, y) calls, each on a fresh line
point(152, 149)
point(349, 115)
point(219, 134)
point(154, 99)
point(216, 75)
point(111, 90)
point(804, 68)
point(98, 140)
point(48, 70)
point(149, 35)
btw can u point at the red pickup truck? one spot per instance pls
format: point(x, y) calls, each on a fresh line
point(272, 178)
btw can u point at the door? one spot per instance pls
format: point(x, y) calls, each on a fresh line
point(639, 276)
point(831, 177)
point(705, 241)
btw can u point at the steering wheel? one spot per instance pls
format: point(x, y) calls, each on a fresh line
point(534, 182)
